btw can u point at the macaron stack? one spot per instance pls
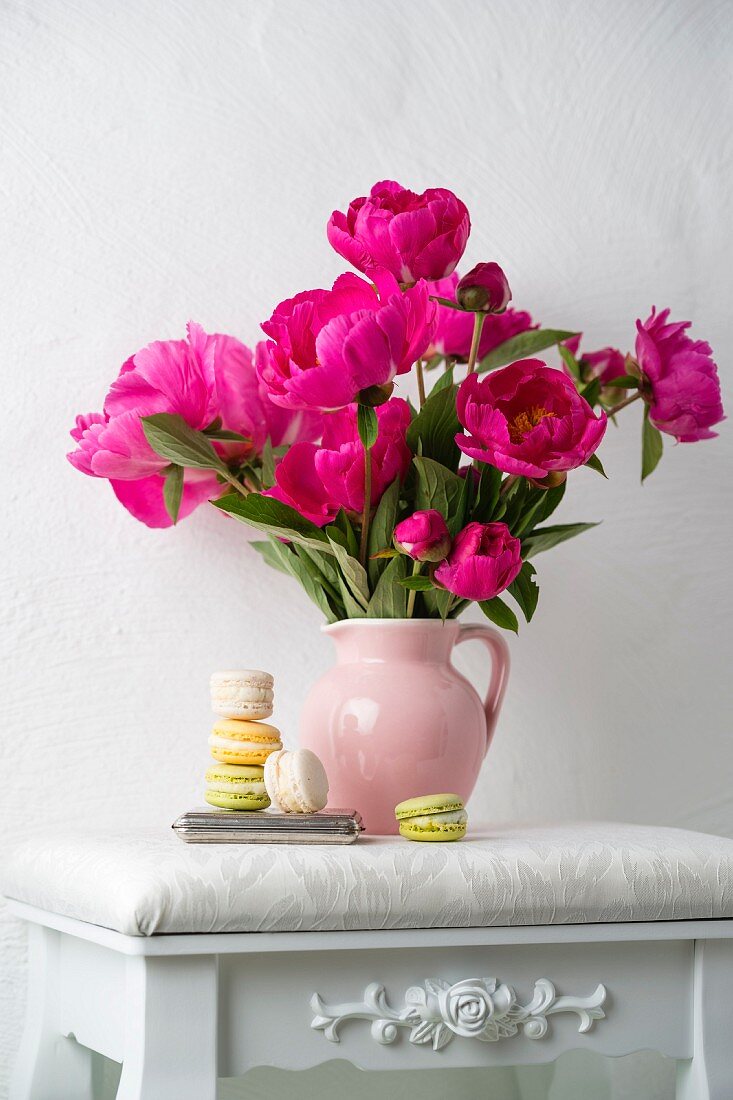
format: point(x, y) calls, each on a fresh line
point(241, 741)
point(432, 817)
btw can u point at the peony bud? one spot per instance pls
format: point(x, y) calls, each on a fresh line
point(375, 395)
point(552, 480)
point(484, 561)
point(424, 536)
point(484, 290)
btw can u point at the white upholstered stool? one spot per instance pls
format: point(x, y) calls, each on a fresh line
point(190, 962)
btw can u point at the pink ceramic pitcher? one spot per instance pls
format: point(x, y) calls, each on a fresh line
point(393, 718)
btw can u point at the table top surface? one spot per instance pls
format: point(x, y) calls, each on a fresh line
point(150, 883)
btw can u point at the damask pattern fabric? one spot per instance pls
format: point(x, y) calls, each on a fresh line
point(151, 883)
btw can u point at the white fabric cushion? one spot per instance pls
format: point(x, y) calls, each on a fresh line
point(152, 883)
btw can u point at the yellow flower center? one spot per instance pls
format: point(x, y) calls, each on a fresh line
point(525, 421)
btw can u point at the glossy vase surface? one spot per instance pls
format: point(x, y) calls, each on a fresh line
point(393, 718)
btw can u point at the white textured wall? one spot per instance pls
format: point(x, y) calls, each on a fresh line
point(172, 159)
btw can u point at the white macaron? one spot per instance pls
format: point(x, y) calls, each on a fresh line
point(242, 693)
point(296, 781)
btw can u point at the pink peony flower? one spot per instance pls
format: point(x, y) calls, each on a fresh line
point(485, 289)
point(86, 433)
point(484, 561)
point(201, 379)
point(326, 347)
point(340, 459)
point(298, 483)
point(245, 406)
point(527, 419)
point(604, 364)
point(412, 236)
point(318, 481)
point(454, 327)
point(424, 536)
point(679, 379)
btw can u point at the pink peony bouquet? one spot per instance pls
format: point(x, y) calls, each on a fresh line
point(383, 509)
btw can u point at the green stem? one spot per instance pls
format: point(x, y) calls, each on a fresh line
point(420, 382)
point(412, 593)
point(233, 481)
point(478, 324)
point(367, 509)
point(623, 404)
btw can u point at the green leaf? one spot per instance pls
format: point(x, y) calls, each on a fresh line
point(325, 563)
point(591, 392)
point(487, 495)
point(417, 584)
point(170, 436)
point(224, 436)
point(457, 513)
point(525, 591)
point(390, 598)
point(528, 516)
point(544, 538)
point(382, 529)
point(443, 600)
point(517, 500)
point(349, 541)
point(305, 570)
point(551, 501)
point(173, 491)
point(595, 463)
point(267, 514)
point(353, 609)
point(351, 573)
point(439, 488)
point(500, 614)
point(570, 362)
point(445, 379)
point(383, 555)
point(433, 431)
point(651, 446)
point(522, 345)
point(623, 382)
point(283, 557)
point(268, 465)
point(437, 602)
point(269, 552)
point(459, 607)
point(368, 425)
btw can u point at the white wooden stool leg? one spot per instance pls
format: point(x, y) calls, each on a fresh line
point(709, 1074)
point(170, 1029)
point(50, 1066)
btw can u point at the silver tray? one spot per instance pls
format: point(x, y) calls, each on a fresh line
point(207, 826)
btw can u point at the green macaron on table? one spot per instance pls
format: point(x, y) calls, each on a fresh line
point(432, 817)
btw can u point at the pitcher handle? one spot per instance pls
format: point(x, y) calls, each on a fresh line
point(499, 651)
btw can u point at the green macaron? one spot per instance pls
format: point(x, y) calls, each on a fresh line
point(432, 817)
point(236, 787)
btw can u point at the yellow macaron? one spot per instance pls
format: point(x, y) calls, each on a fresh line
point(234, 741)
